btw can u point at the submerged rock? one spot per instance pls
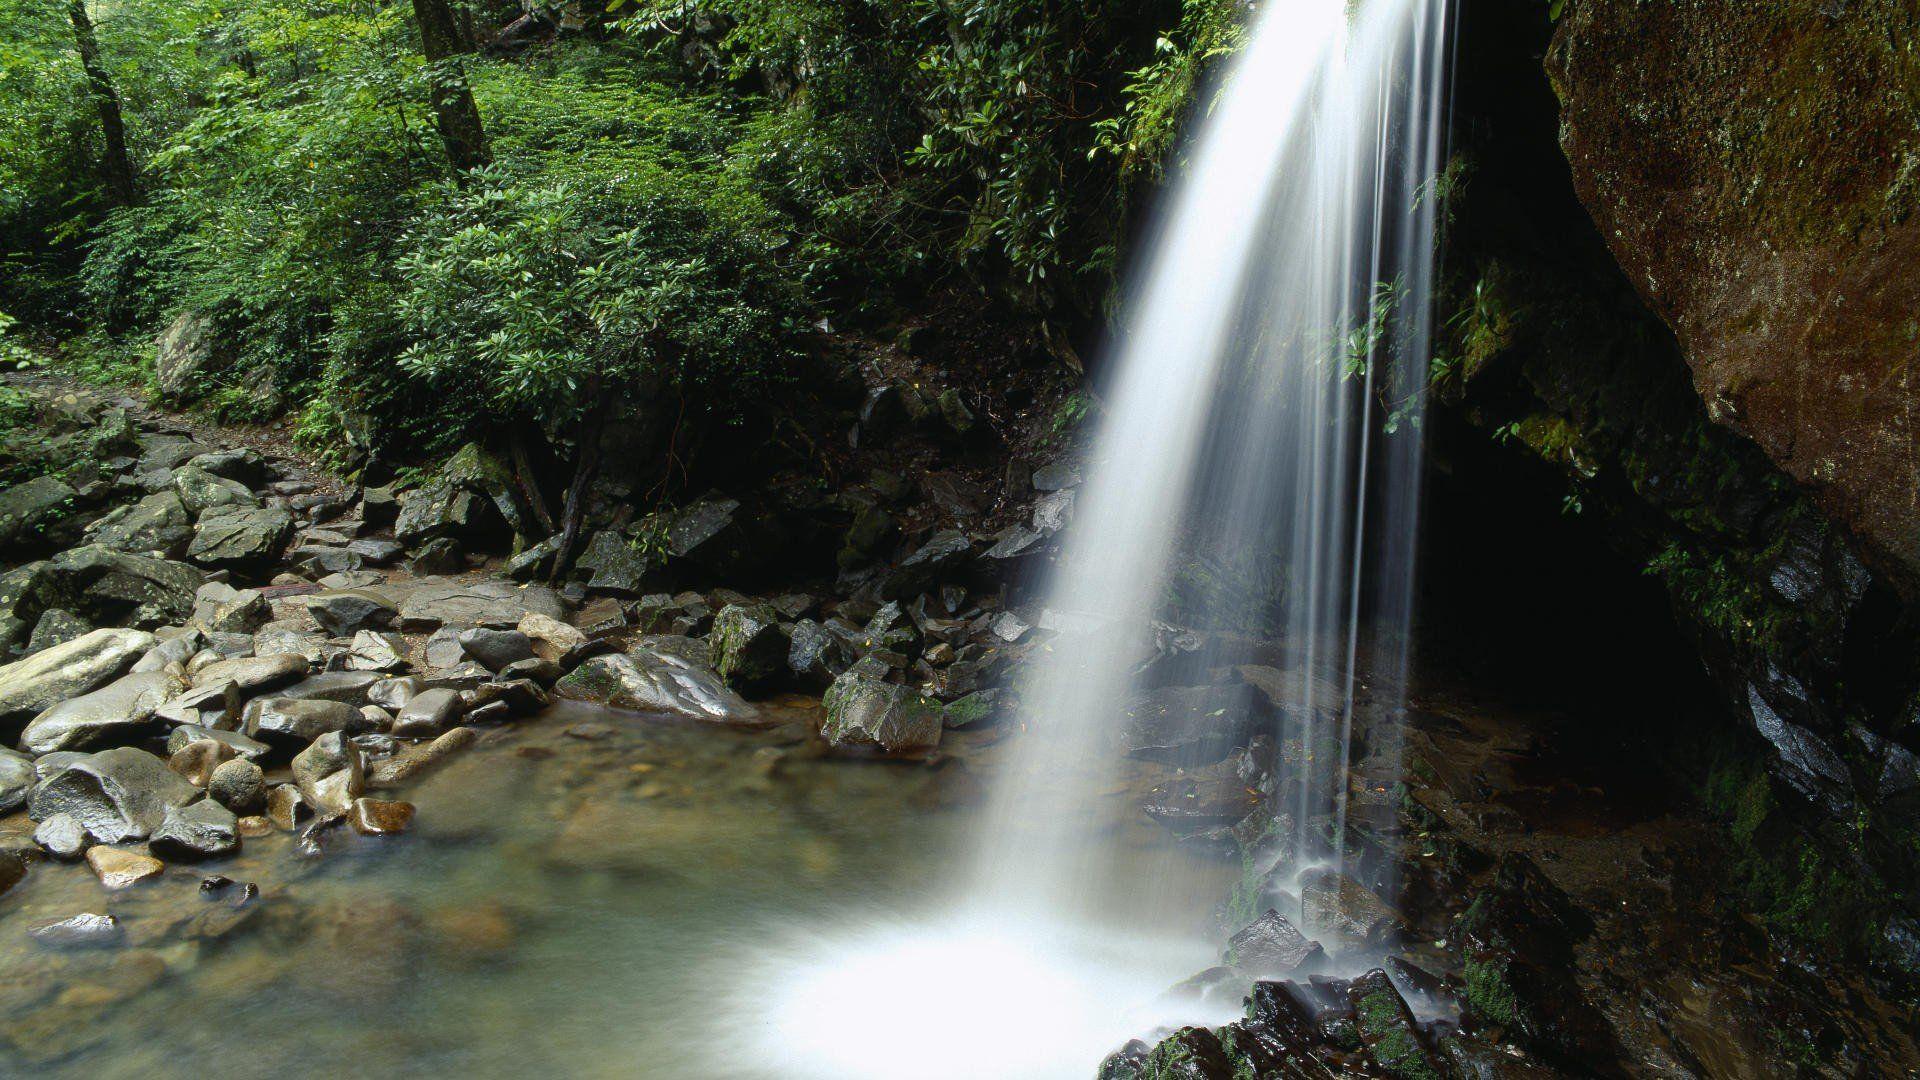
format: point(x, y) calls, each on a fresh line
point(79, 932)
point(118, 868)
point(651, 680)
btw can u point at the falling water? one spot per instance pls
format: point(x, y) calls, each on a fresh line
point(1260, 435)
point(1244, 437)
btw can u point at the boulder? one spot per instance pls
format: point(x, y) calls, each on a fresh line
point(616, 563)
point(158, 525)
point(240, 537)
point(944, 555)
point(440, 555)
point(201, 491)
point(379, 652)
point(1387, 1028)
point(330, 774)
point(182, 354)
point(1335, 907)
point(254, 673)
point(655, 680)
point(557, 641)
point(185, 734)
point(116, 795)
point(204, 830)
point(215, 705)
point(63, 836)
point(427, 714)
point(239, 785)
point(436, 509)
point(117, 708)
point(30, 686)
point(863, 711)
point(817, 655)
point(222, 609)
point(291, 721)
point(112, 588)
point(350, 611)
point(1271, 948)
point(198, 758)
point(492, 603)
point(29, 513)
point(495, 649)
point(56, 627)
point(749, 648)
point(16, 779)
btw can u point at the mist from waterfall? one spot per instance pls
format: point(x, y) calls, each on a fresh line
point(1258, 457)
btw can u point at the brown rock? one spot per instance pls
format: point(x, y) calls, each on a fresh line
point(1751, 165)
point(119, 868)
point(197, 760)
point(377, 817)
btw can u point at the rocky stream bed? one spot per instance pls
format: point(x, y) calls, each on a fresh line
point(307, 786)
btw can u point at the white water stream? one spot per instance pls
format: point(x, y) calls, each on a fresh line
point(1245, 432)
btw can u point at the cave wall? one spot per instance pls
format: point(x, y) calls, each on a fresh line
point(1555, 351)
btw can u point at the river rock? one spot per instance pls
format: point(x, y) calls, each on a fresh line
point(557, 641)
point(202, 491)
point(117, 795)
point(495, 649)
point(28, 511)
point(16, 779)
point(330, 774)
point(197, 760)
point(204, 830)
point(286, 807)
point(185, 734)
point(1387, 1027)
point(537, 669)
point(158, 525)
point(349, 611)
point(817, 655)
point(864, 711)
point(239, 536)
point(427, 714)
point(1191, 725)
point(79, 932)
point(655, 680)
point(376, 651)
point(220, 608)
point(944, 555)
point(376, 817)
point(62, 835)
point(1338, 908)
point(1271, 947)
point(112, 588)
point(616, 563)
point(239, 785)
point(492, 603)
point(351, 687)
point(119, 868)
point(56, 627)
point(748, 646)
point(411, 762)
point(254, 673)
point(391, 694)
point(114, 709)
point(293, 721)
point(38, 682)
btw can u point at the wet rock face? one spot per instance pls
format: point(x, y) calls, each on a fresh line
point(653, 680)
point(1751, 167)
point(116, 795)
point(865, 711)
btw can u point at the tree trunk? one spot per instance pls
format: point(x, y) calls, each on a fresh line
point(453, 109)
point(586, 468)
point(118, 166)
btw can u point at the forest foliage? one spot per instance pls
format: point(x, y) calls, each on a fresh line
point(673, 195)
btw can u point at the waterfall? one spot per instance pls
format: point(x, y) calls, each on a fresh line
point(1243, 433)
point(1261, 422)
